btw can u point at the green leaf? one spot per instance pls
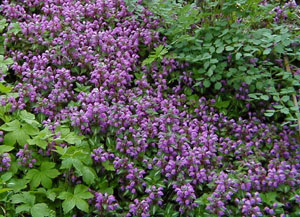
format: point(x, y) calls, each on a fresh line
point(25, 197)
point(267, 51)
point(3, 24)
point(238, 56)
point(6, 176)
point(10, 139)
point(218, 85)
point(30, 130)
point(68, 205)
point(39, 142)
point(108, 165)
point(279, 48)
point(42, 176)
point(17, 184)
point(11, 126)
point(248, 80)
point(285, 111)
point(28, 117)
point(82, 205)
point(71, 138)
point(51, 195)
point(5, 148)
point(65, 195)
point(88, 175)
point(206, 83)
point(285, 98)
point(5, 89)
point(14, 28)
point(264, 97)
point(3, 190)
point(269, 198)
point(23, 208)
point(8, 61)
point(82, 192)
point(269, 114)
point(229, 48)
point(40, 210)
point(220, 50)
point(77, 199)
point(202, 200)
point(16, 133)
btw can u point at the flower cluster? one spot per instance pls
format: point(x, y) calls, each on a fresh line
point(25, 157)
point(281, 12)
point(249, 204)
point(105, 202)
point(185, 197)
point(99, 155)
point(139, 208)
point(155, 195)
point(5, 162)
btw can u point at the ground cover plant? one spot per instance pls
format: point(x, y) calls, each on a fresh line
point(149, 108)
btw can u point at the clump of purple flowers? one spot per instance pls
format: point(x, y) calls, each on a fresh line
point(99, 155)
point(139, 208)
point(250, 204)
point(155, 195)
point(25, 158)
point(185, 197)
point(105, 202)
point(5, 162)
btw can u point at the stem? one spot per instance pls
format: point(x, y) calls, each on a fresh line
point(288, 69)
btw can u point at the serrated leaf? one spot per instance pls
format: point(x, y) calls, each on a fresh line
point(30, 130)
point(88, 175)
point(80, 189)
point(82, 192)
point(65, 195)
point(71, 138)
point(17, 184)
point(68, 205)
point(25, 197)
point(23, 208)
point(82, 205)
point(40, 210)
point(38, 142)
point(51, 195)
point(42, 176)
point(11, 126)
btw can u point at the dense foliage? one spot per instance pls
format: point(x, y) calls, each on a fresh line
point(149, 108)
